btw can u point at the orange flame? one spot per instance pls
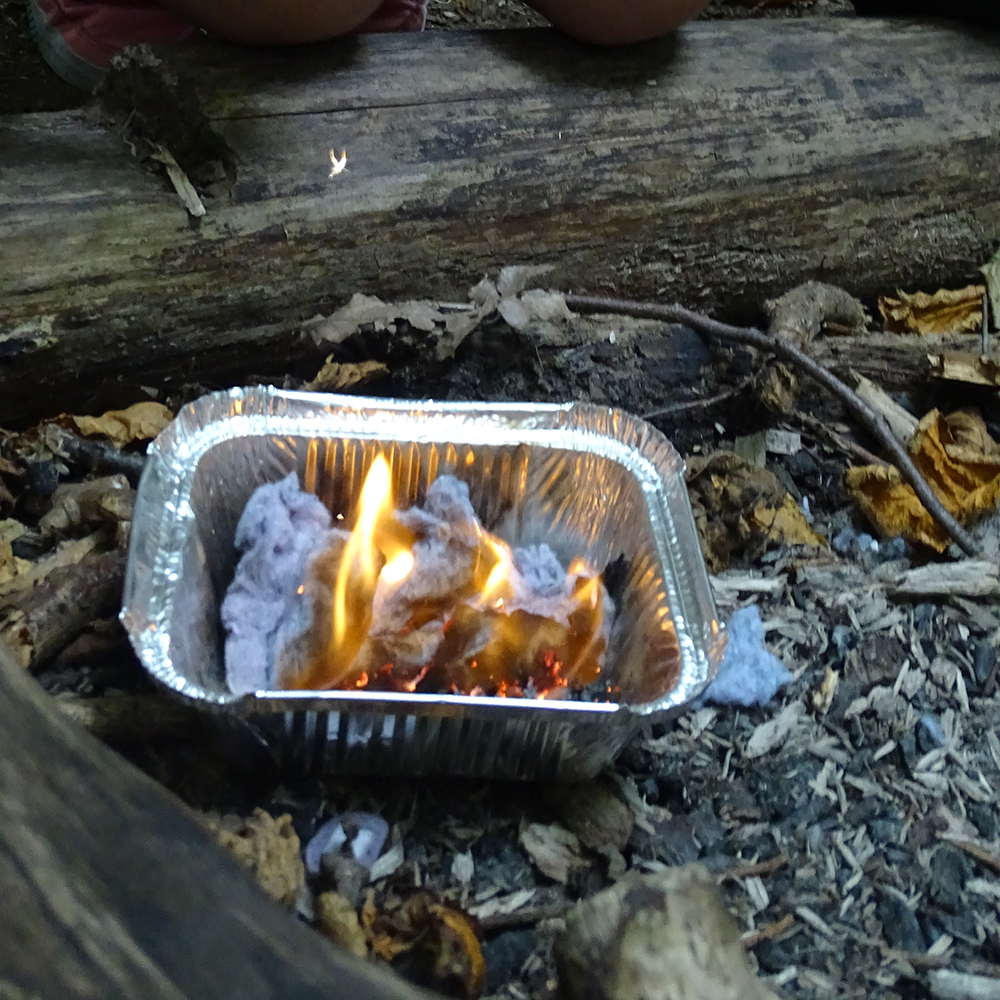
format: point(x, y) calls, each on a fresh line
point(491, 642)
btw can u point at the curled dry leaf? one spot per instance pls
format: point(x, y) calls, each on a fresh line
point(268, 848)
point(435, 945)
point(740, 507)
point(339, 922)
point(946, 311)
point(333, 377)
point(960, 461)
point(554, 850)
point(10, 565)
point(139, 422)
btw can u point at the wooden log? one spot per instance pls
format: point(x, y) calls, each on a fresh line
point(112, 889)
point(717, 167)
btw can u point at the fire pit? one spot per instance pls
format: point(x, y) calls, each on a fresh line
point(510, 688)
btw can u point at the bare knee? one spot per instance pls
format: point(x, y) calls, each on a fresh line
point(612, 22)
point(276, 22)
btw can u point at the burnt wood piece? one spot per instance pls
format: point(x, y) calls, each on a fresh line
point(111, 889)
point(718, 167)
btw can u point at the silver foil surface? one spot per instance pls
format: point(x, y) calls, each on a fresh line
point(590, 481)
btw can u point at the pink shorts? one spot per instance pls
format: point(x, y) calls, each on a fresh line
point(78, 38)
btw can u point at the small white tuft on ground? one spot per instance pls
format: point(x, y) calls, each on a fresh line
point(749, 674)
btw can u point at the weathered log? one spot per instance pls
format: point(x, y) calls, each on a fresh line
point(718, 167)
point(112, 889)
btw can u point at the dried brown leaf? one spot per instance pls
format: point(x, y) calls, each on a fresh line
point(946, 311)
point(784, 525)
point(140, 422)
point(735, 504)
point(10, 565)
point(554, 850)
point(780, 389)
point(961, 463)
point(440, 942)
point(268, 848)
point(334, 376)
point(338, 921)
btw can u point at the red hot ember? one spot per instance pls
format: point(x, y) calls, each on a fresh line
point(426, 600)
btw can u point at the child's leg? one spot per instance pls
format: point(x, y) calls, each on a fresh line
point(78, 38)
point(275, 22)
point(616, 22)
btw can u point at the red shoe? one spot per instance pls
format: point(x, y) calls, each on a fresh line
point(78, 38)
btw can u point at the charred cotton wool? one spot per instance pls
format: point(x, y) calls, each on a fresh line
point(423, 599)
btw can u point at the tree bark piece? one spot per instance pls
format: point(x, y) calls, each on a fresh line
point(41, 622)
point(665, 936)
point(719, 167)
point(111, 888)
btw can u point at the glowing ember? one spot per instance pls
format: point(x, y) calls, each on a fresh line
point(426, 600)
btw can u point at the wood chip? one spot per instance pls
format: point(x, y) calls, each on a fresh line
point(770, 735)
point(976, 849)
point(969, 578)
point(554, 850)
point(182, 184)
point(950, 985)
point(767, 932)
point(752, 868)
point(815, 920)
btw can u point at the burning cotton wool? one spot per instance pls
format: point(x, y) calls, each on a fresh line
point(419, 600)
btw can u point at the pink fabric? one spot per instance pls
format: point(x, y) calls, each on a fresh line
point(97, 30)
point(396, 15)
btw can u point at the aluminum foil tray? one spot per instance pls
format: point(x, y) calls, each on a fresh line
point(588, 480)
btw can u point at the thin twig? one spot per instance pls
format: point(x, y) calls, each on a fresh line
point(527, 916)
point(698, 404)
point(768, 932)
point(873, 420)
point(818, 429)
point(749, 868)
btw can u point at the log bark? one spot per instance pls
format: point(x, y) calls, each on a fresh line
point(112, 889)
point(719, 167)
point(41, 622)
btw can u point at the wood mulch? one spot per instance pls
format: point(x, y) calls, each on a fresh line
point(852, 823)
